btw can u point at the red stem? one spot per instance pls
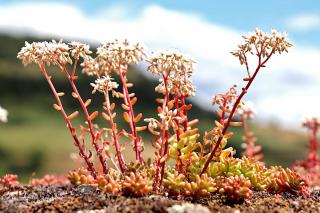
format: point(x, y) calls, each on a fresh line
point(249, 143)
point(164, 140)
point(243, 92)
point(121, 161)
point(185, 123)
point(82, 153)
point(179, 161)
point(313, 156)
point(127, 101)
point(86, 113)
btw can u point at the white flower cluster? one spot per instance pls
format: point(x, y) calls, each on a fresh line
point(104, 83)
point(152, 123)
point(311, 123)
point(78, 50)
point(264, 43)
point(3, 115)
point(112, 55)
point(52, 53)
point(168, 117)
point(247, 110)
point(91, 67)
point(225, 98)
point(177, 69)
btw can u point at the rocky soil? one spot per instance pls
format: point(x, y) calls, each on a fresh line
point(66, 198)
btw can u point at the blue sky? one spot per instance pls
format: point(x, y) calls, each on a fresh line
point(206, 30)
point(243, 15)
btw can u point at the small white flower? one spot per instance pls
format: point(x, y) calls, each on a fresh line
point(79, 50)
point(177, 69)
point(3, 115)
point(247, 110)
point(104, 83)
point(152, 123)
point(55, 53)
point(263, 42)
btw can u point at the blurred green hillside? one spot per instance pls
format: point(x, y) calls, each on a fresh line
point(35, 138)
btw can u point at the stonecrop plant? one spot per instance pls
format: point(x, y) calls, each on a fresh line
point(247, 113)
point(185, 163)
point(309, 168)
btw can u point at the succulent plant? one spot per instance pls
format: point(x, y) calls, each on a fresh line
point(49, 180)
point(227, 167)
point(80, 177)
point(255, 171)
point(182, 150)
point(174, 183)
point(200, 168)
point(9, 181)
point(136, 185)
point(286, 180)
point(108, 184)
point(202, 186)
point(235, 188)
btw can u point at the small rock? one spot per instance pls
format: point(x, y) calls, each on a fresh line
point(294, 204)
point(85, 189)
point(188, 208)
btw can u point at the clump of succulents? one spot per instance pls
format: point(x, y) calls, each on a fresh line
point(286, 180)
point(80, 176)
point(235, 188)
point(49, 180)
point(202, 186)
point(9, 181)
point(175, 183)
point(108, 184)
point(200, 165)
point(136, 184)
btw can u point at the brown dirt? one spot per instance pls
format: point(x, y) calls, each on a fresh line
point(69, 199)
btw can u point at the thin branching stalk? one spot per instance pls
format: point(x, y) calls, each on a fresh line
point(163, 152)
point(119, 155)
point(127, 100)
point(178, 161)
point(60, 108)
point(237, 102)
point(88, 117)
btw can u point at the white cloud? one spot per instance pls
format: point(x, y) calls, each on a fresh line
point(286, 89)
point(304, 22)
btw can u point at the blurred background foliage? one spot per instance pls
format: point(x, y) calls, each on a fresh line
point(35, 140)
